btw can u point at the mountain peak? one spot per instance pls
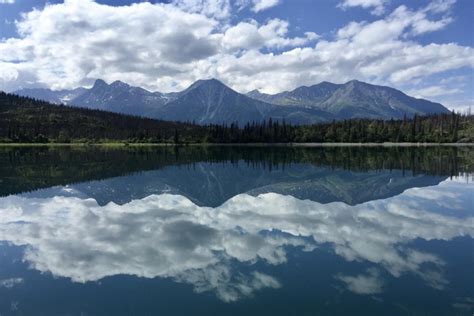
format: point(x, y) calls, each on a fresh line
point(119, 84)
point(211, 80)
point(360, 86)
point(207, 83)
point(254, 92)
point(355, 81)
point(99, 83)
point(327, 84)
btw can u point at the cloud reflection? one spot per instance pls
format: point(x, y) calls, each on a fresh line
point(170, 236)
point(9, 283)
point(369, 283)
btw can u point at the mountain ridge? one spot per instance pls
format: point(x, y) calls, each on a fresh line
point(209, 101)
point(342, 99)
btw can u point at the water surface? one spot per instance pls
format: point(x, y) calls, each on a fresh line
point(232, 231)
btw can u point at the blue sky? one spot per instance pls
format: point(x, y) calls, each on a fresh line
point(424, 47)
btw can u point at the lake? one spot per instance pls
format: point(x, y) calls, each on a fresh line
point(236, 231)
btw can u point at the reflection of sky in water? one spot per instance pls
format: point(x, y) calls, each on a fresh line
point(169, 236)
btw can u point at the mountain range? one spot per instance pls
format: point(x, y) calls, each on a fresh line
point(212, 102)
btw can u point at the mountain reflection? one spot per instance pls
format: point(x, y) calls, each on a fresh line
point(227, 171)
point(166, 235)
point(207, 184)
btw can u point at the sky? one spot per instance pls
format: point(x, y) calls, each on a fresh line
point(422, 47)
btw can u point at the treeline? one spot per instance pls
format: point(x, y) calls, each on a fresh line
point(437, 128)
point(26, 120)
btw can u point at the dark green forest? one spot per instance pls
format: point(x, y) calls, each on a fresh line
point(26, 120)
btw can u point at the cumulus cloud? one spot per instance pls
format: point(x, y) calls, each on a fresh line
point(166, 47)
point(169, 236)
point(377, 6)
point(71, 44)
point(79, 40)
point(251, 35)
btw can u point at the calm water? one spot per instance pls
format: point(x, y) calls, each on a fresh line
point(236, 231)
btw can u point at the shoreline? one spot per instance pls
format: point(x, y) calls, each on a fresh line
point(387, 144)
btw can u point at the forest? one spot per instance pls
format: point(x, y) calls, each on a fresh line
point(26, 120)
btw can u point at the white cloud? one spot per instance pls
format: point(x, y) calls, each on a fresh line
point(257, 5)
point(219, 9)
point(377, 6)
point(7, 72)
point(440, 6)
point(465, 106)
point(7, 1)
point(260, 5)
point(418, 20)
point(69, 43)
point(433, 91)
point(360, 51)
point(425, 26)
point(244, 35)
point(250, 35)
point(166, 47)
